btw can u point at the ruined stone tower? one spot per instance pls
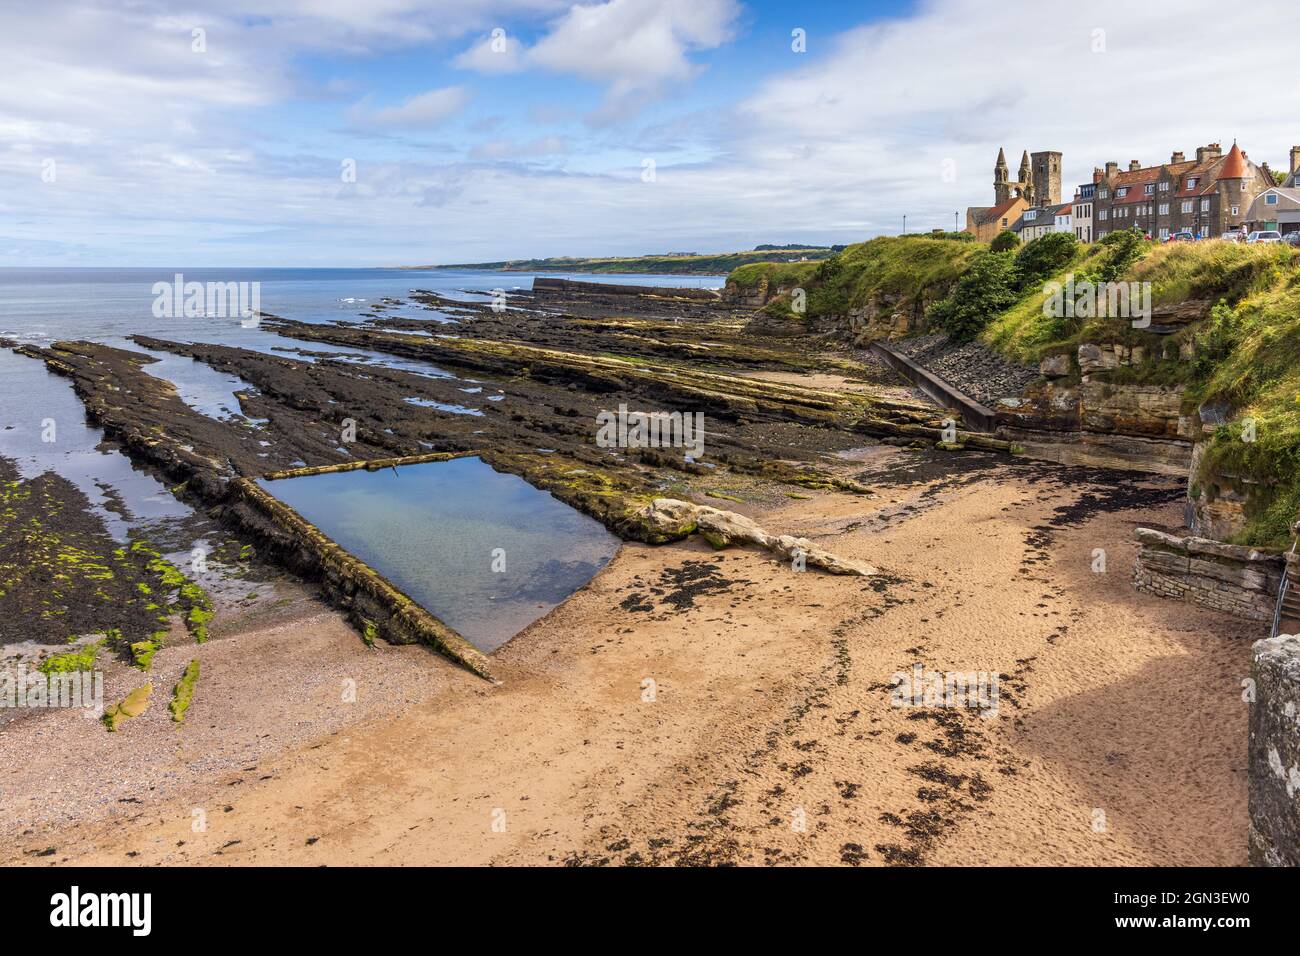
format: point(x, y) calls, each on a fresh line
point(1038, 182)
point(1046, 183)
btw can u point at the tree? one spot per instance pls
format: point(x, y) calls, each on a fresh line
point(1004, 241)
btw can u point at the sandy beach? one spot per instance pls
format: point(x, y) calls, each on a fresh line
point(692, 706)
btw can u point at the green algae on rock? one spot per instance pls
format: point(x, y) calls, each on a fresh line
point(183, 693)
point(132, 705)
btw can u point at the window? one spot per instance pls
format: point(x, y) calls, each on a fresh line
point(1004, 222)
point(1164, 209)
point(1192, 183)
point(1164, 232)
point(1205, 205)
point(1102, 214)
point(1104, 194)
point(1149, 188)
point(1164, 186)
point(1235, 210)
point(1121, 192)
point(1270, 199)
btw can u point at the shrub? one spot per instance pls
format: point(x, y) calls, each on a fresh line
point(1005, 241)
point(1044, 257)
point(983, 292)
point(1122, 249)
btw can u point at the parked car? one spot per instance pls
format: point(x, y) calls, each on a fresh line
point(1234, 236)
point(1181, 237)
point(1292, 238)
point(1265, 235)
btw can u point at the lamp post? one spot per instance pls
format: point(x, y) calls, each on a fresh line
point(904, 223)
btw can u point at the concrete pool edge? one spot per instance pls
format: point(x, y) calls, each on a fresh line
point(373, 603)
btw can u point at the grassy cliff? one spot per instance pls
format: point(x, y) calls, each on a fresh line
point(903, 268)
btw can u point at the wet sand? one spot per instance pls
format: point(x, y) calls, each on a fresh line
point(699, 707)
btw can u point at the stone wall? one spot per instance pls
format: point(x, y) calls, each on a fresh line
point(1274, 766)
point(1239, 581)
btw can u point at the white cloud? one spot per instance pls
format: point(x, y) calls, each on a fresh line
point(873, 120)
point(635, 48)
point(835, 145)
point(512, 149)
point(495, 53)
point(419, 112)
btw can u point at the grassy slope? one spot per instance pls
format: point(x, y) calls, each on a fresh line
point(718, 264)
point(904, 266)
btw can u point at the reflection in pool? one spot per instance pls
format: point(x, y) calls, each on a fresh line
point(437, 530)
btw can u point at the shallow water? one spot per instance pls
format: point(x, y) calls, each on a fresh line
point(437, 531)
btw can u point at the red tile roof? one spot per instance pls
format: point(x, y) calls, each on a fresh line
point(994, 213)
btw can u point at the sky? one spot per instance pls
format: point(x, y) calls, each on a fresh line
point(397, 132)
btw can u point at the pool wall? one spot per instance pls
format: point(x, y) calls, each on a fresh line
point(375, 606)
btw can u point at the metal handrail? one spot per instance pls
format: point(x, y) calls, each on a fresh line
point(1282, 589)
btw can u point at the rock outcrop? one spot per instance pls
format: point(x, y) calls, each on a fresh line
point(722, 528)
point(1096, 421)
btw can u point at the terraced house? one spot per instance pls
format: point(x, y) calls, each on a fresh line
point(1207, 196)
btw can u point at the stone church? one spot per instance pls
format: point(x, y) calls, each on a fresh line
point(1038, 183)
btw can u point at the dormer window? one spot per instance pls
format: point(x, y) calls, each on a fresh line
point(1193, 183)
point(1121, 192)
point(1149, 188)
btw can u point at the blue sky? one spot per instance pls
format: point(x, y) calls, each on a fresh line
point(124, 141)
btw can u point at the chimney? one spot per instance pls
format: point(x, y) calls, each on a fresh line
point(1295, 159)
point(1213, 151)
point(1268, 173)
point(1098, 175)
point(1111, 169)
point(1134, 165)
point(1177, 157)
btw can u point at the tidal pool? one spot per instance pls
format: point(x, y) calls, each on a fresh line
point(483, 551)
